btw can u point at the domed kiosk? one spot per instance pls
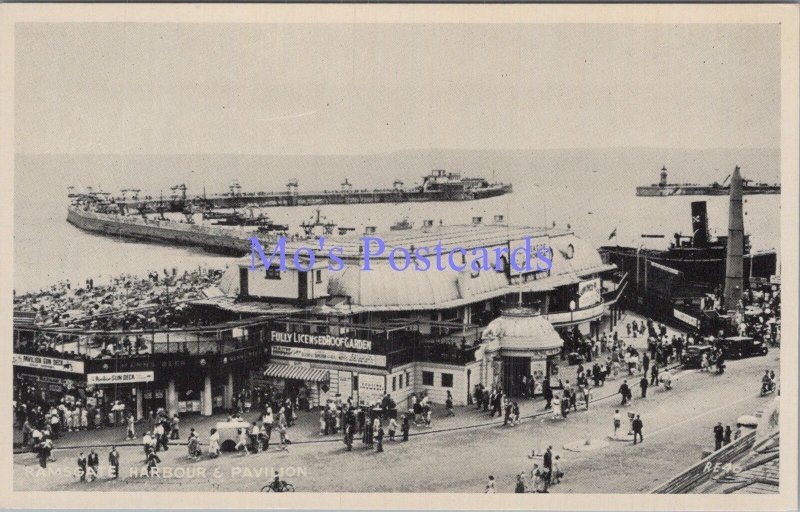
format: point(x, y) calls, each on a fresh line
point(517, 346)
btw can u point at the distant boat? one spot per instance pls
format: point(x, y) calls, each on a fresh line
point(401, 225)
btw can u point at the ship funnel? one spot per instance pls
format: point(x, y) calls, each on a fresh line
point(699, 224)
point(734, 266)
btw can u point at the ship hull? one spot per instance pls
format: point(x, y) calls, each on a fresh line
point(700, 266)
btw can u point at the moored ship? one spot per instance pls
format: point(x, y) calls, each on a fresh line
point(664, 189)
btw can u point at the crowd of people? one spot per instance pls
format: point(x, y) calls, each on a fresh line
point(95, 306)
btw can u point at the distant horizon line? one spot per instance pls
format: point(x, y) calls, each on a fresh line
point(374, 153)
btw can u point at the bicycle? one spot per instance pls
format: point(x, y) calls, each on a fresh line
point(278, 486)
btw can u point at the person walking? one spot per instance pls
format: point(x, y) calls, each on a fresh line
point(643, 384)
point(449, 404)
point(152, 462)
point(93, 461)
point(113, 461)
point(637, 426)
point(548, 467)
point(131, 422)
point(379, 439)
point(213, 444)
point(175, 425)
point(719, 436)
point(82, 466)
point(490, 488)
point(654, 375)
point(392, 428)
point(404, 426)
point(547, 391)
point(617, 421)
point(625, 391)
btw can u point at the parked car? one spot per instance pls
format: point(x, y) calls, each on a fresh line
point(737, 347)
point(693, 355)
point(229, 434)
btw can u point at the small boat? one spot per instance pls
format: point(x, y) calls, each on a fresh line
point(401, 225)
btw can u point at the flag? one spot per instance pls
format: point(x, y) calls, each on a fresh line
point(613, 234)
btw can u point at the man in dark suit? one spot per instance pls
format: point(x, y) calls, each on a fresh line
point(548, 466)
point(637, 429)
point(113, 461)
point(719, 435)
point(625, 391)
point(547, 391)
point(94, 464)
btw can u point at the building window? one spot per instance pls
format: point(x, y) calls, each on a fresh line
point(427, 378)
point(447, 380)
point(394, 383)
point(400, 381)
point(319, 277)
point(273, 273)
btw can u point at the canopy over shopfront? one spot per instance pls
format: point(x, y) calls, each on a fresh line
point(296, 372)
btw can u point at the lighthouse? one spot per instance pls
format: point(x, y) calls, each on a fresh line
point(734, 265)
point(663, 181)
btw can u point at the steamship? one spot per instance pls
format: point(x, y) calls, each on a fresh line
point(697, 257)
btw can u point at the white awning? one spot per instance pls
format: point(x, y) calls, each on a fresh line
point(296, 372)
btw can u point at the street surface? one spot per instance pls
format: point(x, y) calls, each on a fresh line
point(677, 429)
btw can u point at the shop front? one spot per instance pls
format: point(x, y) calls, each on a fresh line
point(50, 378)
point(315, 361)
point(520, 346)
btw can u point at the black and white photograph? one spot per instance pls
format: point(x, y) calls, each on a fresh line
point(428, 250)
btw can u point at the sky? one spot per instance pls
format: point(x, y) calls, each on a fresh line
point(119, 88)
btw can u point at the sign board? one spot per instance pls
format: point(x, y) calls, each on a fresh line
point(538, 370)
point(589, 293)
point(99, 379)
point(687, 319)
point(321, 340)
point(331, 356)
point(47, 363)
point(67, 383)
point(345, 384)
point(371, 388)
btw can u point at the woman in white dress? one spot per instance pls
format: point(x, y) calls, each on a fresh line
point(213, 444)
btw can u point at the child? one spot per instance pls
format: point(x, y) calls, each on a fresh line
point(243, 441)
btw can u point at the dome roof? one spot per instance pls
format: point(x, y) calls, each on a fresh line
point(520, 330)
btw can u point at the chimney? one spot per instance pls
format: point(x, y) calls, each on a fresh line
point(477, 220)
point(699, 224)
point(734, 265)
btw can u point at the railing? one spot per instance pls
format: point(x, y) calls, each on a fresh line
point(699, 473)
